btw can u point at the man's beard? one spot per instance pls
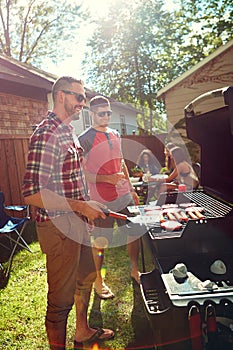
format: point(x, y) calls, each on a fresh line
point(71, 113)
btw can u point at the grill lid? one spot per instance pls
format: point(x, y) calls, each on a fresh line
point(213, 132)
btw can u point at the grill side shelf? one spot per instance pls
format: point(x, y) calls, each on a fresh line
point(154, 292)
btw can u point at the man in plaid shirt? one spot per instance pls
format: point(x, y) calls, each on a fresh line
point(54, 183)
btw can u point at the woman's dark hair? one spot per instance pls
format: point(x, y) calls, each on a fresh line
point(168, 161)
point(178, 155)
point(143, 152)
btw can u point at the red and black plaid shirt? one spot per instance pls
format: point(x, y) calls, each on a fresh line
point(54, 163)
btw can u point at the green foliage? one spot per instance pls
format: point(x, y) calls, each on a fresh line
point(164, 170)
point(142, 46)
point(137, 49)
point(204, 27)
point(23, 304)
point(31, 30)
point(136, 169)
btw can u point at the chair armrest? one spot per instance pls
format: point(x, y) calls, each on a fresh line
point(16, 207)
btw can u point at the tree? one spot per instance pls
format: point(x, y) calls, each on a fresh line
point(123, 55)
point(205, 25)
point(34, 29)
point(142, 46)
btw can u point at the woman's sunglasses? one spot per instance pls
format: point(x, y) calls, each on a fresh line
point(79, 97)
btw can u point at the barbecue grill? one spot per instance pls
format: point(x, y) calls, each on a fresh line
point(195, 311)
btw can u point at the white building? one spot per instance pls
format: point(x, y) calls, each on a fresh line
point(123, 119)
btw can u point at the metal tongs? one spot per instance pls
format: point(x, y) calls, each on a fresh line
point(129, 220)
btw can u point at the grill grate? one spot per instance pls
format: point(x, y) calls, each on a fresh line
point(210, 204)
point(213, 208)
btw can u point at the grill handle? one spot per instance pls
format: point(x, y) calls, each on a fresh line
point(228, 99)
point(189, 109)
point(194, 318)
point(226, 93)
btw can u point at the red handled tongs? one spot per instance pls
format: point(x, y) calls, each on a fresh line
point(130, 220)
point(211, 324)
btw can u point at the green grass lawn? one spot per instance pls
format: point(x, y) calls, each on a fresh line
point(23, 305)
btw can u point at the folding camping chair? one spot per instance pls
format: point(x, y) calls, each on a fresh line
point(12, 228)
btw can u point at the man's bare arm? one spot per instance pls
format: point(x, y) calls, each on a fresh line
point(51, 201)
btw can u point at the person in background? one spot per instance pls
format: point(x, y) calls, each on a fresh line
point(54, 184)
point(169, 166)
point(182, 173)
point(108, 181)
point(147, 161)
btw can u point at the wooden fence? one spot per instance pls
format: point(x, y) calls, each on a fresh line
point(13, 156)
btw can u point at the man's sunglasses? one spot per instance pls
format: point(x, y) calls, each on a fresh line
point(79, 97)
point(102, 114)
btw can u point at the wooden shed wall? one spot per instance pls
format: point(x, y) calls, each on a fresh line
point(17, 116)
point(215, 74)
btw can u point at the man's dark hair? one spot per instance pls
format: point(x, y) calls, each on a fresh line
point(63, 83)
point(98, 101)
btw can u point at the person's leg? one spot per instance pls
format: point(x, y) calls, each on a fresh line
point(98, 255)
point(102, 237)
point(100, 287)
point(86, 276)
point(133, 243)
point(55, 323)
point(62, 259)
point(133, 248)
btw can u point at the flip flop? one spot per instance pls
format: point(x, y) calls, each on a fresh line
point(96, 337)
point(104, 292)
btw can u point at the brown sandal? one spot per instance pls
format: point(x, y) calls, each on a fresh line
point(104, 292)
point(96, 337)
